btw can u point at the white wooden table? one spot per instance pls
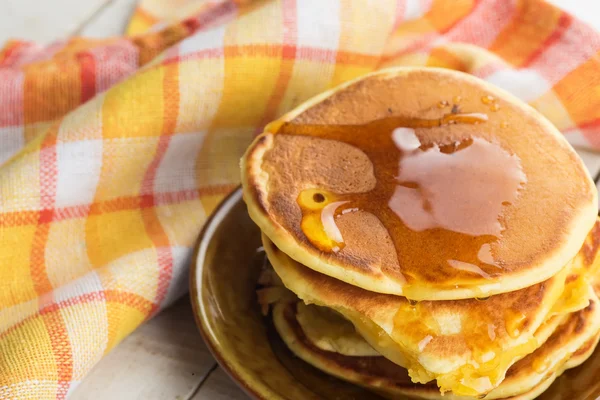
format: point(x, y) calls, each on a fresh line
point(165, 358)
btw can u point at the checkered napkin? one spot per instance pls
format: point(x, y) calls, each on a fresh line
point(113, 152)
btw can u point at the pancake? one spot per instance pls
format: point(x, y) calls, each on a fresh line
point(426, 183)
point(568, 346)
point(329, 331)
point(466, 345)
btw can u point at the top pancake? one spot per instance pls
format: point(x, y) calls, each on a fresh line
point(333, 182)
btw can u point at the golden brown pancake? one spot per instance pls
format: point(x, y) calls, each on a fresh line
point(466, 345)
point(568, 346)
point(426, 183)
point(330, 331)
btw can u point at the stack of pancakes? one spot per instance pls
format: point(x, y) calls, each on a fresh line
point(429, 235)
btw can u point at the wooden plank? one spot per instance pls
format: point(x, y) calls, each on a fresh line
point(111, 20)
point(44, 21)
point(164, 359)
point(219, 386)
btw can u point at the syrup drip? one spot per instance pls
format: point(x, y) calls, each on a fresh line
point(445, 200)
point(515, 321)
point(489, 100)
point(541, 364)
point(448, 221)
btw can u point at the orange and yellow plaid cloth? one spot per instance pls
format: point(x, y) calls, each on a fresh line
point(114, 152)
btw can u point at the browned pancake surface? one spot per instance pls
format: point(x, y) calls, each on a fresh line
point(554, 206)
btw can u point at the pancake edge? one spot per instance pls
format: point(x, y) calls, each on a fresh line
point(255, 194)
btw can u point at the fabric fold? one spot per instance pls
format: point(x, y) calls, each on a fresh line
point(114, 152)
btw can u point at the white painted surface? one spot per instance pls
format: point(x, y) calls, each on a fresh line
point(218, 387)
point(166, 357)
point(110, 20)
point(44, 21)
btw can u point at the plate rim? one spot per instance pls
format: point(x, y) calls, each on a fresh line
point(195, 287)
point(255, 391)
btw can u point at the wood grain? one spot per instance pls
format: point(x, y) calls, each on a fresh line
point(218, 386)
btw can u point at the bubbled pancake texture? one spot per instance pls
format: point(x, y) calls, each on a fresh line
point(529, 238)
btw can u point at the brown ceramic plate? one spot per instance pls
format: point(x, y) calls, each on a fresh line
point(223, 281)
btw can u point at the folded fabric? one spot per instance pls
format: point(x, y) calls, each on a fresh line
point(113, 152)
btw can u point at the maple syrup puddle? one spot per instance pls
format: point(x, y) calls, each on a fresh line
point(441, 204)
